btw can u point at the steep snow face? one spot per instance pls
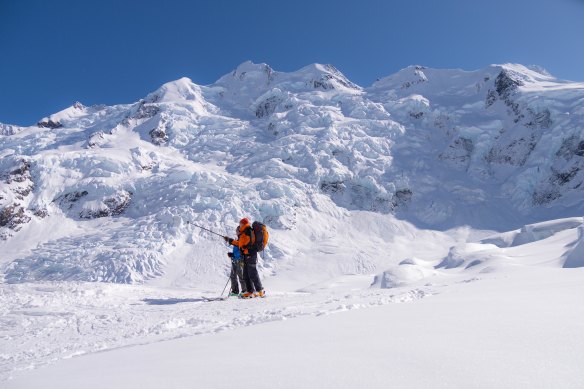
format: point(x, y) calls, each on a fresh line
point(67, 116)
point(514, 132)
point(494, 148)
point(182, 93)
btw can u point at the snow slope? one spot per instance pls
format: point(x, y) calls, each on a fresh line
point(522, 330)
point(426, 183)
point(519, 283)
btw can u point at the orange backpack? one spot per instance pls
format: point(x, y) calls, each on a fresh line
point(259, 236)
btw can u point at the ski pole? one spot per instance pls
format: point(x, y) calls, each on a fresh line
point(229, 279)
point(206, 229)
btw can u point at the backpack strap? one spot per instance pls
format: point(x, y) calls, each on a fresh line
point(249, 232)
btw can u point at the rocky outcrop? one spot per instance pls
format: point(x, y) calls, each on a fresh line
point(268, 106)
point(145, 111)
point(158, 135)
point(111, 206)
point(48, 123)
point(17, 186)
point(13, 217)
point(459, 153)
point(566, 173)
point(331, 79)
point(96, 139)
point(68, 200)
point(541, 120)
point(513, 148)
point(418, 77)
point(86, 205)
point(7, 129)
point(506, 86)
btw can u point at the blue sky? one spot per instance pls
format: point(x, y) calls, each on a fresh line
point(53, 53)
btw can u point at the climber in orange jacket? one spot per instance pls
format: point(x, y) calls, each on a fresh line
point(250, 260)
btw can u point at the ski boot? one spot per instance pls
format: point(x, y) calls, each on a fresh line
point(261, 293)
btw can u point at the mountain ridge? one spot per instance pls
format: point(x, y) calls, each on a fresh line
point(494, 149)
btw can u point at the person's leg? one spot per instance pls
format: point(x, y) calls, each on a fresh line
point(253, 272)
point(248, 283)
point(239, 271)
point(234, 285)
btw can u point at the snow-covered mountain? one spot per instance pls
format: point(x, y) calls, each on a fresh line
point(463, 186)
point(104, 193)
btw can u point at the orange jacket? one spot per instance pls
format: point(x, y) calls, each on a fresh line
point(244, 239)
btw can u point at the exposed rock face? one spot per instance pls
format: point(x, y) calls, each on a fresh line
point(69, 199)
point(112, 206)
point(402, 197)
point(506, 84)
point(513, 149)
point(49, 124)
point(362, 194)
point(145, 111)
point(7, 129)
point(419, 77)
point(332, 76)
point(159, 135)
point(87, 205)
point(268, 106)
point(459, 153)
point(539, 120)
point(13, 217)
point(96, 139)
point(17, 187)
point(567, 173)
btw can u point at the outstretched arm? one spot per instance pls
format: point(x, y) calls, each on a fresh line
point(243, 241)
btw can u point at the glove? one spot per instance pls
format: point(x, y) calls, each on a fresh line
point(228, 239)
point(230, 255)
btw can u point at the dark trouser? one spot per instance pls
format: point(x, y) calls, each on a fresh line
point(250, 273)
point(237, 273)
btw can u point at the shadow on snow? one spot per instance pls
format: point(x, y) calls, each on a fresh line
point(172, 301)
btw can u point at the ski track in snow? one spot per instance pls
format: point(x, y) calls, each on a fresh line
point(44, 323)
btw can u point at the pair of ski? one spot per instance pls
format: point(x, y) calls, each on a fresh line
point(220, 298)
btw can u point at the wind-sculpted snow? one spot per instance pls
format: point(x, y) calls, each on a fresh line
point(552, 244)
point(560, 239)
point(494, 148)
point(575, 256)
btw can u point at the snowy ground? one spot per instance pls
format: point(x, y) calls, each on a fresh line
point(519, 330)
point(504, 311)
